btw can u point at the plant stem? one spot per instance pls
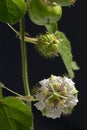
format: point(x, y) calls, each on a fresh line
point(24, 65)
point(51, 28)
point(13, 29)
point(24, 59)
point(31, 40)
point(17, 94)
point(26, 39)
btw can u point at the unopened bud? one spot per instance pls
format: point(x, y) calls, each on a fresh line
point(47, 45)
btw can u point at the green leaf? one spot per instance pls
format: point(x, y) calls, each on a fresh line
point(14, 114)
point(66, 54)
point(12, 10)
point(75, 66)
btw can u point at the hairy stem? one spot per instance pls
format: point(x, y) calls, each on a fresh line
point(24, 64)
point(3, 86)
point(24, 59)
point(26, 39)
point(31, 40)
point(14, 30)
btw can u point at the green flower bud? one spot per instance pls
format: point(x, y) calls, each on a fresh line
point(57, 96)
point(47, 45)
point(42, 13)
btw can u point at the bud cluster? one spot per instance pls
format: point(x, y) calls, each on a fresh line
point(57, 96)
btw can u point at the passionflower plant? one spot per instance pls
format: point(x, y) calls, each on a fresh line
point(56, 96)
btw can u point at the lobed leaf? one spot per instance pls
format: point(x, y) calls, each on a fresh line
point(12, 10)
point(14, 114)
point(66, 54)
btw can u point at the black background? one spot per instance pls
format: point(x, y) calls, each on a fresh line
point(73, 24)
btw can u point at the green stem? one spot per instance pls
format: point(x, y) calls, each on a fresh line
point(31, 40)
point(17, 94)
point(24, 64)
point(51, 28)
point(17, 33)
point(24, 59)
point(26, 39)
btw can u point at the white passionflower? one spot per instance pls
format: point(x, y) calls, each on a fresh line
point(56, 96)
